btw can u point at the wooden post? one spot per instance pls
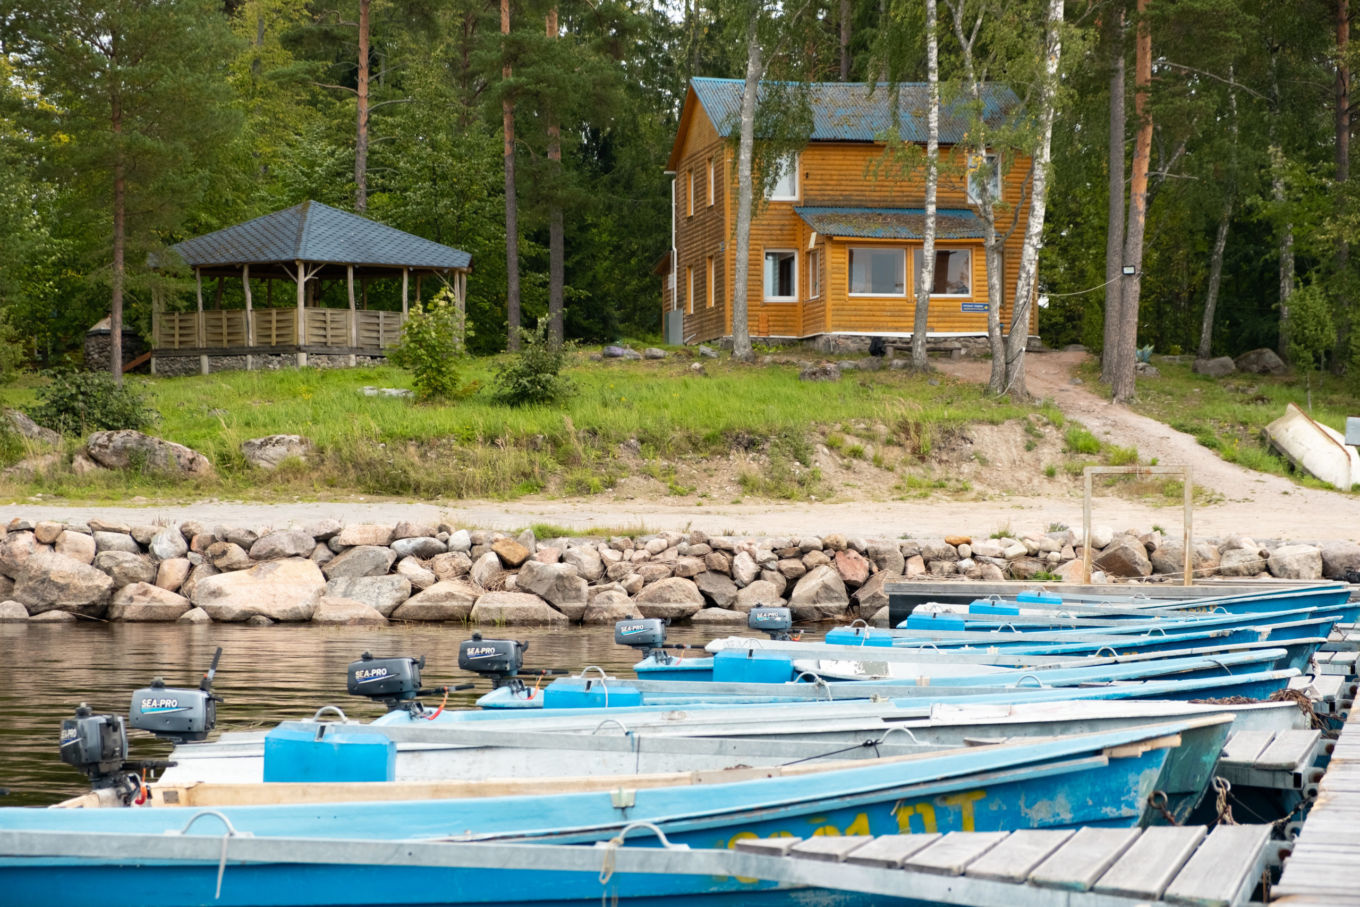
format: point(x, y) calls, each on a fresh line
point(405, 280)
point(250, 315)
point(353, 318)
point(301, 277)
point(200, 336)
point(418, 277)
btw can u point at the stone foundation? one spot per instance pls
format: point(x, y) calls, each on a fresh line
point(178, 366)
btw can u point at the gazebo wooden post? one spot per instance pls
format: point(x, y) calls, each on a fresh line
point(418, 278)
point(200, 336)
point(405, 282)
point(250, 316)
point(301, 313)
point(353, 318)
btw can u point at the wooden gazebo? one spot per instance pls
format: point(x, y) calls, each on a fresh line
point(306, 246)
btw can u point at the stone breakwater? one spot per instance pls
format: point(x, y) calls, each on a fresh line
point(329, 573)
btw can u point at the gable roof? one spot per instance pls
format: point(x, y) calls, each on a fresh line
point(852, 111)
point(315, 232)
point(890, 223)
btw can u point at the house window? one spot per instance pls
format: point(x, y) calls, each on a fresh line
point(785, 188)
point(979, 167)
point(689, 199)
point(878, 272)
point(781, 276)
point(814, 258)
point(953, 272)
point(711, 284)
point(710, 182)
point(689, 289)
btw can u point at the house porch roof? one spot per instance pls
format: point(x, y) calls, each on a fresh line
point(890, 223)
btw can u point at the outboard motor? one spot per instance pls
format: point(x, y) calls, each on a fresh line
point(648, 636)
point(499, 659)
point(395, 682)
point(96, 745)
point(181, 716)
point(777, 623)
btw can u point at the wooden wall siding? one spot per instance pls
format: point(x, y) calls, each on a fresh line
point(897, 314)
point(702, 234)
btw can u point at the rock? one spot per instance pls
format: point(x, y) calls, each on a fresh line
point(171, 574)
point(51, 581)
point(614, 351)
point(487, 571)
point(1015, 550)
point(631, 583)
point(589, 566)
point(452, 565)
point(116, 541)
point(126, 568)
point(1241, 562)
point(719, 616)
point(1169, 559)
point(364, 560)
point(821, 371)
point(689, 567)
point(268, 452)
point(258, 620)
point(1215, 368)
point(916, 566)
point(610, 606)
point(819, 595)
point(718, 562)
point(938, 550)
point(167, 543)
point(288, 543)
point(15, 550)
point(1340, 560)
point(650, 573)
point(1295, 562)
point(228, 556)
point(336, 611)
point(880, 617)
point(53, 617)
point(323, 529)
point(445, 600)
point(516, 609)
point(557, 584)
point(369, 390)
point(423, 547)
point(408, 529)
point(40, 464)
point(12, 612)
point(461, 540)
point(1261, 361)
point(957, 540)
point(1124, 556)
point(383, 594)
point(707, 351)
point(852, 567)
point(760, 593)
point(548, 554)
point(511, 552)
point(125, 448)
point(652, 352)
point(791, 568)
point(871, 596)
point(1101, 536)
point(48, 531)
point(76, 545)
point(886, 556)
point(674, 597)
point(145, 602)
point(1026, 567)
point(717, 588)
point(284, 590)
point(744, 568)
point(197, 575)
point(990, 573)
point(364, 534)
point(420, 578)
point(321, 555)
point(195, 616)
point(25, 427)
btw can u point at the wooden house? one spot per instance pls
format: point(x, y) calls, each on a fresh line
point(836, 244)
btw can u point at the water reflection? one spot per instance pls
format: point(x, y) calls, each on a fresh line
point(266, 674)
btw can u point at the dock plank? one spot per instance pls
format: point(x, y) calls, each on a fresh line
point(1015, 858)
point(1289, 750)
point(1245, 746)
point(770, 847)
point(1224, 865)
point(829, 848)
point(1152, 862)
point(953, 852)
point(889, 851)
point(1077, 864)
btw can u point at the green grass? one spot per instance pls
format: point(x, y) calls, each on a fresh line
point(1081, 441)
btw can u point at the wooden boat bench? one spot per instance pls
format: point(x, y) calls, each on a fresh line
point(1281, 760)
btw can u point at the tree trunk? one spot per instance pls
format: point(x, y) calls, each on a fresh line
point(119, 260)
point(1206, 330)
point(1027, 280)
point(755, 67)
point(555, 237)
point(511, 205)
point(1122, 379)
point(1114, 229)
point(845, 40)
point(920, 325)
point(361, 139)
point(1277, 194)
point(1341, 359)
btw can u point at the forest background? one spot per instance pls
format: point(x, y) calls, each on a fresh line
point(184, 116)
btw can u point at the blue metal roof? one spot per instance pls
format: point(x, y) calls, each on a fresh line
point(860, 112)
point(891, 223)
point(315, 232)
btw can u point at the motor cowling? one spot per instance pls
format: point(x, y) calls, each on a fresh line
point(95, 744)
point(777, 622)
point(179, 715)
point(387, 680)
point(649, 633)
point(499, 659)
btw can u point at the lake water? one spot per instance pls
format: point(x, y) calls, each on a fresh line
point(266, 674)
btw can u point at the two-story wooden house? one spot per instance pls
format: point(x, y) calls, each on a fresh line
point(836, 246)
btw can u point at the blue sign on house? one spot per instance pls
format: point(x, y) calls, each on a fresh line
point(974, 306)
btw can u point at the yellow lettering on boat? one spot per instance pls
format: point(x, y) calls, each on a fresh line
point(924, 810)
point(964, 802)
point(827, 831)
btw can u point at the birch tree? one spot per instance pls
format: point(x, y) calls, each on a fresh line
point(920, 324)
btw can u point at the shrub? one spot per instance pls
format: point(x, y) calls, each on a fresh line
point(430, 345)
point(76, 402)
point(1312, 332)
point(533, 375)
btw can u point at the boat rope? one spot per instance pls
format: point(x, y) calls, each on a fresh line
point(1282, 822)
point(1222, 789)
point(1315, 721)
point(444, 702)
point(1158, 800)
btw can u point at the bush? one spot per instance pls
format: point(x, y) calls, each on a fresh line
point(431, 342)
point(533, 375)
point(77, 402)
point(1312, 332)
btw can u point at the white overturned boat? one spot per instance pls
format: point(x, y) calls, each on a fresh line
point(1317, 449)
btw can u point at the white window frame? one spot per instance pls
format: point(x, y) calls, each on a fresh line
point(765, 275)
point(994, 160)
point(849, 270)
point(784, 174)
point(919, 253)
point(689, 289)
point(711, 193)
point(814, 267)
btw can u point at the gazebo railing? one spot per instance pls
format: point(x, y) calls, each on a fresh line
point(228, 328)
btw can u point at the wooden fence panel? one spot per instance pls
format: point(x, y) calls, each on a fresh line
point(275, 327)
point(223, 328)
point(175, 330)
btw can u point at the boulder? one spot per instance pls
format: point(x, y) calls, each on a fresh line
point(195, 616)
point(689, 567)
point(916, 566)
point(1070, 572)
point(383, 594)
point(51, 582)
point(652, 352)
point(719, 616)
point(610, 606)
point(1261, 361)
point(1023, 568)
point(852, 566)
point(283, 590)
point(336, 611)
point(651, 572)
point(423, 547)
point(511, 552)
point(419, 576)
point(25, 427)
point(1124, 556)
point(410, 529)
point(821, 371)
point(1169, 559)
point(197, 575)
point(445, 600)
point(760, 593)
point(1241, 562)
point(167, 543)
point(1215, 368)
point(744, 568)
point(322, 530)
point(452, 565)
point(54, 617)
point(938, 550)
point(364, 560)
point(6, 588)
point(879, 617)
point(126, 568)
point(228, 556)
point(1341, 560)
point(791, 568)
point(15, 550)
point(363, 534)
point(886, 555)
point(77, 545)
point(674, 597)
point(589, 566)
point(286, 543)
point(461, 540)
point(48, 531)
point(871, 596)
point(143, 534)
point(557, 584)
point(12, 611)
point(1295, 562)
point(116, 541)
point(125, 448)
point(717, 588)
point(814, 559)
point(819, 595)
point(515, 609)
point(145, 602)
point(171, 574)
point(487, 570)
point(271, 450)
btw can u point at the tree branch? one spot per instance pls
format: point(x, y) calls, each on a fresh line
point(1203, 72)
